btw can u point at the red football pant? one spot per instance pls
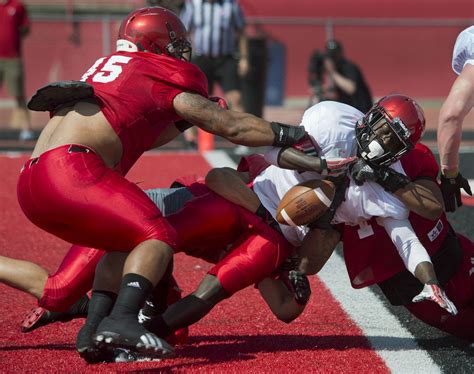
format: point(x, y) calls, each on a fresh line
point(207, 225)
point(460, 290)
point(76, 197)
point(73, 279)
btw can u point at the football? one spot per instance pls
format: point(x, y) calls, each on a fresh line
point(305, 202)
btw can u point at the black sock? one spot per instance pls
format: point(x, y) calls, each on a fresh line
point(80, 307)
point(100, 305)
point(159, 295)
point(158, 326)
point(132, 295)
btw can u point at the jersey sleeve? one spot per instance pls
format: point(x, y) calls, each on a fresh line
point(420, 163)
point(463, 52)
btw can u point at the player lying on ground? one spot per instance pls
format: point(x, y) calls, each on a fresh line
point(76, 272)
point(371, 256)
point(335, 131)
point(128, 102)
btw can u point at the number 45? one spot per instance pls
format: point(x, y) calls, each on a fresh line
point(109, 72)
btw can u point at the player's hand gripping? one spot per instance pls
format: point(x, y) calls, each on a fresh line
point(295, 280)
point(434, 293)
point(451, 190)
point(300, 284)
point(388, 178)
point(329, 166)
point(336, 166)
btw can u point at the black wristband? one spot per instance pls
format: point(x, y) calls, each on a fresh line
point(183, 125)
point(286, 135)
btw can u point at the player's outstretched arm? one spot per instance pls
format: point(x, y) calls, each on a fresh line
point(451, 116)
point(239, 128)
point(303, 156)
point(422, 196)
point(417, 261)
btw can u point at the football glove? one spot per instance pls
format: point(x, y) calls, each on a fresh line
point(434, 293)
point(451, 190)
point(297, 282)
point(336, 166)
point(388, 178)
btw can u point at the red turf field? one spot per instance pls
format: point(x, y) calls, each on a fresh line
point(239, 335)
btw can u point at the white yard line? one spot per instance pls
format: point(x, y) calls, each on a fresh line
point(392, 342)
point(471, 184)
point(395, 344)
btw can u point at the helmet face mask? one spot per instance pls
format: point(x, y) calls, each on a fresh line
point(390, 129)
point(156, 30)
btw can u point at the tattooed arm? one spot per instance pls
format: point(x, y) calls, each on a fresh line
point(237, 127)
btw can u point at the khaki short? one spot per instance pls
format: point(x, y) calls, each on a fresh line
point(11, 71)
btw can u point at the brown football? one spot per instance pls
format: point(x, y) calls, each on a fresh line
point(305, 202)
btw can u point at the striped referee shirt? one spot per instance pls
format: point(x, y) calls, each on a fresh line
point(213, 25)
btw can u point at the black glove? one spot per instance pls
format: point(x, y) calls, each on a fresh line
point(388, 178)
point(451, 190)
point(298, 283)
point(324, 222)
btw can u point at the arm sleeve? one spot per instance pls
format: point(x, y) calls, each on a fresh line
point(406, 241)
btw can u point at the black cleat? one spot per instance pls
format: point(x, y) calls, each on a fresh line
point(88, 350)
point(131, 335)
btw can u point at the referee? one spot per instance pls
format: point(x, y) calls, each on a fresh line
point(219, 44)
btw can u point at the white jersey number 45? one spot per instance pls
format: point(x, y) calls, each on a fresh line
point(109, 72)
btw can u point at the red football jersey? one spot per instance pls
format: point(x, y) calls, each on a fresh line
point(13, 17)
point(374, 258)
point(135, 91)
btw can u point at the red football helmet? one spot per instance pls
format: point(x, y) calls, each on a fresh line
point(157, 30)
point(406, 120)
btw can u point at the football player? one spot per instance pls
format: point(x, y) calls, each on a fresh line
point(451, 116)
point(74, 185)
point(384, 138)
point(371, 255)
point(284, 291)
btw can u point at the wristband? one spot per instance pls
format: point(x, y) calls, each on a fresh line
point(286, 135)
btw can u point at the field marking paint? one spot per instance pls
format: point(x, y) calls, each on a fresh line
point(392, 342)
